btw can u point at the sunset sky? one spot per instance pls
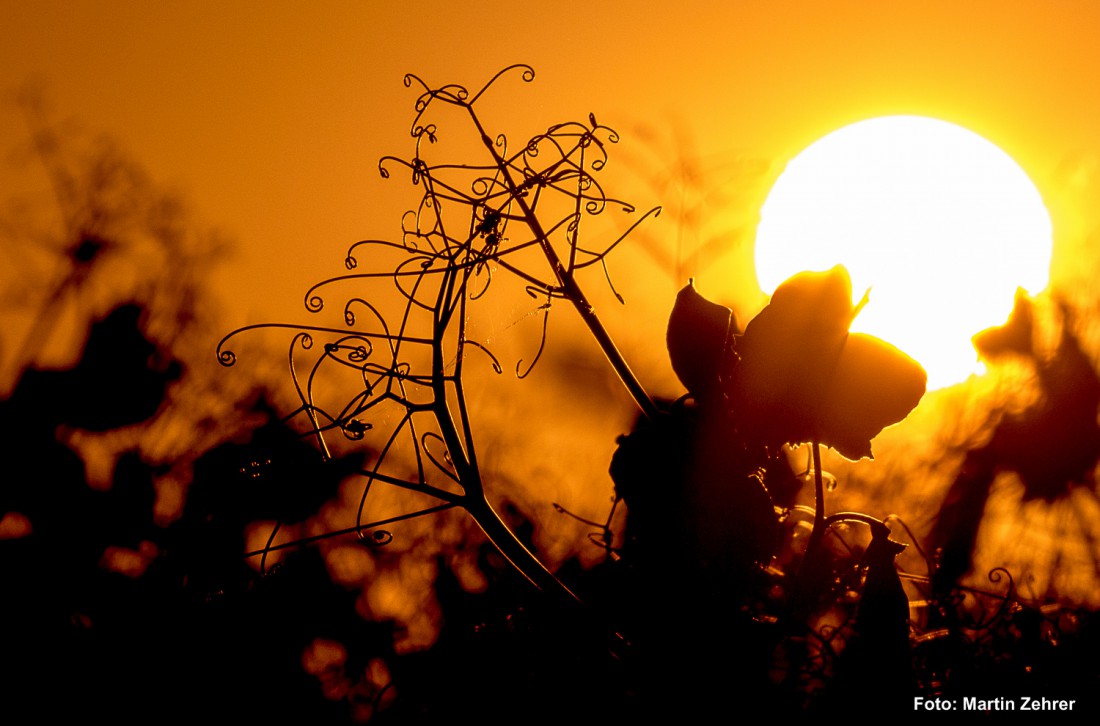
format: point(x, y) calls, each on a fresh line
point(269, 118)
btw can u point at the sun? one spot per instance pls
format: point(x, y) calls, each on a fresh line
point(939, 224)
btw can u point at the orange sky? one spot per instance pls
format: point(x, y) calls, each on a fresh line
point(270, 117)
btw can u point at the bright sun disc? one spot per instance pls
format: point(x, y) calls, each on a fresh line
point(939, 223)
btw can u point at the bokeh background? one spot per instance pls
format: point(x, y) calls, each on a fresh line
point(227, 156)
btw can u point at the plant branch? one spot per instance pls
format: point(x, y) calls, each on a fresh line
point(569, 286)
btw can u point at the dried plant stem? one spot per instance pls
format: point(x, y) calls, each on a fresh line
point(567, 282)
point(461, 448)
point(517, 554)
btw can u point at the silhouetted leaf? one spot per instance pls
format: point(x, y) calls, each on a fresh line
point(698, 338)
point(883, 607)
point(874, 385)
point(876, 666)
point(802, 377)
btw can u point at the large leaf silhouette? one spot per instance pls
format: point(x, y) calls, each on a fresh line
point(700, 338)
point(800, 375)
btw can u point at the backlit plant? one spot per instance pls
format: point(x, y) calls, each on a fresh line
point(713, 531)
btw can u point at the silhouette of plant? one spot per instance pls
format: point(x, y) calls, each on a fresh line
point(523, 212)
point(792, 376)
point(811, 606)
point(704, 472)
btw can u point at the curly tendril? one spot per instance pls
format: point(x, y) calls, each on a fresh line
point(392, 361)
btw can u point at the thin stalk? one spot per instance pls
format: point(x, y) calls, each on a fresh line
point(811, 570)
point(569, 286)
point(513, 550)
point(474, 500)
point(872, 522)
point(818, 532)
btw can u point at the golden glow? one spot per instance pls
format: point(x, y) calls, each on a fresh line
point(940, 224)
